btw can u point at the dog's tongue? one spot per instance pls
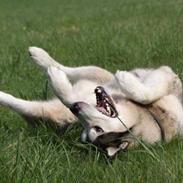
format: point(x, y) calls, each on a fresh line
point(102, 110)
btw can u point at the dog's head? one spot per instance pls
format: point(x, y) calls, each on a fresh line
point(102, 121)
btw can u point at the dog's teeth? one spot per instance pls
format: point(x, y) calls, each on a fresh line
point(108, 109)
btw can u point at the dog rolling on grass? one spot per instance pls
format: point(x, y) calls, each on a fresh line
point(117, 111)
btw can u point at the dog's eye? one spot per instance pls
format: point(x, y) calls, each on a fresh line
point(98, 129)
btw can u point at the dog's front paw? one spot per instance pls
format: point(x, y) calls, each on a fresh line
point(125, 79)
point(128, 83)
point(131, 86)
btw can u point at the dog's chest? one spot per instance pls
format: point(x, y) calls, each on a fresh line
point(165, 119)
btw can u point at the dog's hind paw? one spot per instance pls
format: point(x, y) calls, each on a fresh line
point(40, 56)
point(59, 82)
point(37, 53)
point(55, 73)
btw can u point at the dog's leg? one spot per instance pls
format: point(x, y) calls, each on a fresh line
point(152, 88)
point(52, 110)
point(60, 85)
point(44, 60)
point(69, 93)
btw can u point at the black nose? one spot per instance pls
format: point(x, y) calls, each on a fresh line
point(75, 108)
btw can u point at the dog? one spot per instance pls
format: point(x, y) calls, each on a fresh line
point(116, 110)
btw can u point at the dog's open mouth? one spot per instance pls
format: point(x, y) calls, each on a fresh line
point(105, 104)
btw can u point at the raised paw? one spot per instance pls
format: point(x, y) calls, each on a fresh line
point(133, 88)
point(59, 83)
point(40, 56)
point(54, 73)
point(125, 79)
point(37, 53)
point(129, 85)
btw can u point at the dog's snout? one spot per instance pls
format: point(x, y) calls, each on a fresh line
point(75, 108)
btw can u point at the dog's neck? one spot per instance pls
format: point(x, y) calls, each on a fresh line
point(152, 132)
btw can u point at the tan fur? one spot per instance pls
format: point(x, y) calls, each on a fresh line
point(167, 122)
point(135, 94)
point(57, 112)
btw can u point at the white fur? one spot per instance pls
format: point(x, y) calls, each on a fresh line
point(145, 91)
point(72, 85)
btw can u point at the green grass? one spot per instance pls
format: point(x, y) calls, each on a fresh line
point(114, 34)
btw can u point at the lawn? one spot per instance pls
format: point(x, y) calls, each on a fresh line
point(113, 34)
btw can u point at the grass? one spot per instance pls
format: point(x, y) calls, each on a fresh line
point(116, 34)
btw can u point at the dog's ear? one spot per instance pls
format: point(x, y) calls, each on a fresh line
point(112, 142)
point(109, 139)
point(111, 151)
